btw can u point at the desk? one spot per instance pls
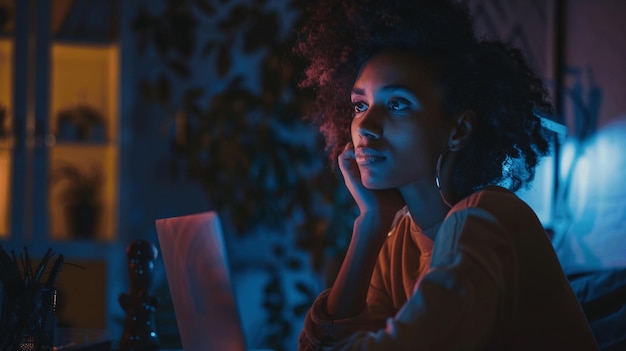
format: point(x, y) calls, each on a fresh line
point(76, 339)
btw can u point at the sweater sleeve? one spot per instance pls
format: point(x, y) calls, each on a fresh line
point(456, 304)
point(320, 329)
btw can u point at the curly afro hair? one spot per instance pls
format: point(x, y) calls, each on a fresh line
point(488, 77)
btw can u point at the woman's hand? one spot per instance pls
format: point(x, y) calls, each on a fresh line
point(378, 208)
point(384, 203)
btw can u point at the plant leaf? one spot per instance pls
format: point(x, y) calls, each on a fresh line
point(223, 60)
point(163, 90)
point(180, 68)
point(205, 7)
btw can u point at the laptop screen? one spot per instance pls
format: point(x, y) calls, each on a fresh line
point(196, 266)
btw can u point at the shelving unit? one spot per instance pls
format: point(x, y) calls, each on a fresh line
point(61, 121)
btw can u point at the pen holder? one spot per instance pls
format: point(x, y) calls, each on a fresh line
point(28, 319)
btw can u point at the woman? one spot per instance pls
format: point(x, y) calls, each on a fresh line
point(439, 131)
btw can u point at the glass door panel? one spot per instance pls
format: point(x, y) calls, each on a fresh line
point(82, 145)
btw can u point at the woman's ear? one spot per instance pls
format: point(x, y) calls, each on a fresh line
point(462, 130)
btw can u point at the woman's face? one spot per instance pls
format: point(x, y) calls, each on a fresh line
point(398, 126)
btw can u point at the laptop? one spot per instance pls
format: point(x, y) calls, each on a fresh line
point(196, 266)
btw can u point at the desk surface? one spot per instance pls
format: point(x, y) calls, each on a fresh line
point(75, 339)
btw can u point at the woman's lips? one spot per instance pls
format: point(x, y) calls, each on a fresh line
point(366, 156)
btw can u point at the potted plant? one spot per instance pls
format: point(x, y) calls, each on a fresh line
point(80, 195)
point(28, 300)
point(81, 123)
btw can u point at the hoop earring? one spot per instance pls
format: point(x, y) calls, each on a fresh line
point(440, 160)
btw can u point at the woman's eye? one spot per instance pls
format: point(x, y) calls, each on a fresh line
point(359, 106)
point(398, 104)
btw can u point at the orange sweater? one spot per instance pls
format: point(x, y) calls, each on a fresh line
point(490, 281)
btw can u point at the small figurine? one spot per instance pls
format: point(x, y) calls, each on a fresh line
point(139, 327)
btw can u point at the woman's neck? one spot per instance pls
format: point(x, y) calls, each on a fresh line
point(425, 205)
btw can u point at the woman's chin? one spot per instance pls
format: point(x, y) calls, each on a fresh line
point(376, 185)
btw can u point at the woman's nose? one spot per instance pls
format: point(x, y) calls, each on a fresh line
point(369, 124)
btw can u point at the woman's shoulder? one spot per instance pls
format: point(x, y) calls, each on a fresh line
point(491, 197)
point(497, 203)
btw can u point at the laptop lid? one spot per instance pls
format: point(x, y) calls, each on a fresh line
point(197, 270)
